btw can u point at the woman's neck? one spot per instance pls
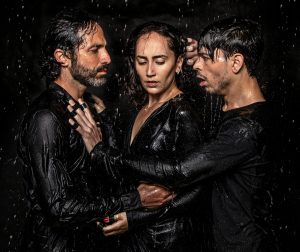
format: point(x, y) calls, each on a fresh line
point(155, 100)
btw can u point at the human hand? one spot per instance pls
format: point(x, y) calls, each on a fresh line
point(154, 196)
point(191, 51)
point(120, 225)
point(84, 124)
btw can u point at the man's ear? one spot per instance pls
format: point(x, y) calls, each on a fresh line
point(237, 62)
point(62, 58)
point(179, 64)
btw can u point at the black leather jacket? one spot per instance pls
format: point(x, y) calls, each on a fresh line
point(239, 160)
point(62, 196)
point(169, 133)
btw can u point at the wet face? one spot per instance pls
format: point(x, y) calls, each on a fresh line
point(91, 59)
point(212, 74)
point(155, 64)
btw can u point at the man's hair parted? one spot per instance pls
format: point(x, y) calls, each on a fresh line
point(235, 35)
point(64, 32)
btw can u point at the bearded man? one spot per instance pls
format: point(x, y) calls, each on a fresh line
point(57, 170)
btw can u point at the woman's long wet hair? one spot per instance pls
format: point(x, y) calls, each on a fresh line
point(176, 42)
point(64, 33)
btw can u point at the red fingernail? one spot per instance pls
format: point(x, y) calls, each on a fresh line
point(106, 219)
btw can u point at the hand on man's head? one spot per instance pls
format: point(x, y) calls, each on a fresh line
point(191, 51)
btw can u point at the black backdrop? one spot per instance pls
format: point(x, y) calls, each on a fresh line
point(23, 24)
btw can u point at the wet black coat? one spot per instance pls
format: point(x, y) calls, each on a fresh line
point(170, 132)
point(239, 160)
point(59, 179)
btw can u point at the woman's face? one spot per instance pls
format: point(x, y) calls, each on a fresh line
point(155, 64)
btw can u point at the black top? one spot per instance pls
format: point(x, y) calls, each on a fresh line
point(56, 172)
point(239, 160)
point(171, 131)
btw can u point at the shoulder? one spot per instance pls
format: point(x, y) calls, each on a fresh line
point(184, 113)
point(261, 116)
point(44, 116)
point(182, 106)
point(42, 120)
point(247, 122)
point(187, 124)
point(46, 110)
point(40, 127)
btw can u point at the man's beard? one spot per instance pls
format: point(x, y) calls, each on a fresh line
point(221, 86)
point(86, 76)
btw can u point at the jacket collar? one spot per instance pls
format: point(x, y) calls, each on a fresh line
point(62, 95)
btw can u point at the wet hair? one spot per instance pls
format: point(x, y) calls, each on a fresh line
point(64, 32)
point(176, 43)
point(234, 35)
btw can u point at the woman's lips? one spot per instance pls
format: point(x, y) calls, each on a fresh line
point(151, 83)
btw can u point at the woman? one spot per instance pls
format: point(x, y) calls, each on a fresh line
point(165, 125)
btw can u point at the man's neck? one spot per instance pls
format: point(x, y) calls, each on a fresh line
point(244, 91)
point(73, 87)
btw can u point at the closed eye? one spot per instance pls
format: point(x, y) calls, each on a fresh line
point(141, 62)
point(204, 56)
point(160, 62)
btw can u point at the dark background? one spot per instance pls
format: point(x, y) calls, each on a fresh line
point(23, 24)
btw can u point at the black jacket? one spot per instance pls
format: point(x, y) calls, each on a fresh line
point(170, 132)
point(239, 160)
point(63, 201)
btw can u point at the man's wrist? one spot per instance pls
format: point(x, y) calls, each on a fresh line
point(131, 201)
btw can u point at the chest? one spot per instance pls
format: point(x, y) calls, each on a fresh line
point(155, 134)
